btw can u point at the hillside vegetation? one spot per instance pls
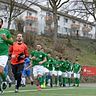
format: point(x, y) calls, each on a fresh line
point(83, 48)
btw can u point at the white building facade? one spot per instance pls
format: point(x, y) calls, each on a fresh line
point(37, 21)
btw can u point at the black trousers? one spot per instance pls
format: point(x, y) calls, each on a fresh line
point(17, 71)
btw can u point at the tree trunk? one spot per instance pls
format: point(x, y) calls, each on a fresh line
point(9, 23)
point(55, 19)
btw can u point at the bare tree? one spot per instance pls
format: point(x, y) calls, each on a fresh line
point(19, 24)
point(56, 4)
point(16, 8)
point(82, 9)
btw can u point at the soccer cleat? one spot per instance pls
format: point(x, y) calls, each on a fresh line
point(10, 84)
point(39, 88)
point(23, 85)
point(43, 85)
point(3, 85)
point(16, 90)
point(32, 83)
point(64, 85)
point(51, 85)
point(77, 85)
point(60, 84)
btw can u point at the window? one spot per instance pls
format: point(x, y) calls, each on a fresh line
point(65, 30)
point(65, 20)
point(73, 21)
point(29, 13)
point(58, 17)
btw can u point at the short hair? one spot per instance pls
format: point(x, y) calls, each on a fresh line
point(1, 20)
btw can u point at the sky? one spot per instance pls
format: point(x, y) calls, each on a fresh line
point(43, 2)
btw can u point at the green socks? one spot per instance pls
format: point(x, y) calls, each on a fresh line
point(41, 80)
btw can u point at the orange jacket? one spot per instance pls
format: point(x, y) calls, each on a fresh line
point(17, 49)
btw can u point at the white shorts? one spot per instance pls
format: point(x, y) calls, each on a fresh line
point(45, 70)
point(69, 74)
point(64, 74)
point(38, 70)
point(77, 75)
point(57, 73)
point(3, 60)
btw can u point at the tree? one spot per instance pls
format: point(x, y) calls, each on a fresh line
point(82, 9)
point(16, 8)
point(19, 24)
point(56, 4)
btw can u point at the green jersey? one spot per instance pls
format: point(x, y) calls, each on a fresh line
point(68, 65)
point(76, 68)
point(39, 57)
point(3, 44)
point(45, 63)
point(63, 66)
point(56, 65)
point(50, 63)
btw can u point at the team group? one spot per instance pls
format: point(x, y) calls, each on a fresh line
point(46, 70)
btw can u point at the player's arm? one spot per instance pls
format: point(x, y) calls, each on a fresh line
point(30, 65)
point(7, 40)
point(79, 70)
point(26, 51)
point(44, 60)
point(32, 57)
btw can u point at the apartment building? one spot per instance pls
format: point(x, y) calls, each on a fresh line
point(39, 20)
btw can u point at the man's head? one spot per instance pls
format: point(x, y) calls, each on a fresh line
point(1, 22)
point(19, 38)
point(38, 47)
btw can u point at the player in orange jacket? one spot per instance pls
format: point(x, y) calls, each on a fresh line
point(18, 52)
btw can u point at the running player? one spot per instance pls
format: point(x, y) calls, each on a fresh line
point(38, 58)
point(5, 40)
point(76, 71)
point(26, 72)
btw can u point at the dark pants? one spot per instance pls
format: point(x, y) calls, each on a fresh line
point(17, 71)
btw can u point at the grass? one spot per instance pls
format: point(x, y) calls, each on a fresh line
point(56, 91)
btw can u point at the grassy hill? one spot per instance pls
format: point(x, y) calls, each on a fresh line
point(83, 48)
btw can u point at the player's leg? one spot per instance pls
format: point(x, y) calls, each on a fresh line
point(45, 75)
point(41, 73)
point(78, 80)
point(64, 76)
point(9, 81)
point(75, 79)
point(56, 77)
point(3, 62)
point(23, 78)
point(60, 78)
point(69, 78)
point(35, 74)
point(19, 74)
point(29, 75)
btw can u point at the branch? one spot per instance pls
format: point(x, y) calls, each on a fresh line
point(52, 5)
point(62, 4)
point(15, 15)
point(87, 8)
point(58, 3)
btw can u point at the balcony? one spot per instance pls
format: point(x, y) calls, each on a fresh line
point(75, 26)
point(86, 29)
point(33, 18)
point(31, 29)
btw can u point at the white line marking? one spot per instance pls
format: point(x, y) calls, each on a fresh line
point(51, 89)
